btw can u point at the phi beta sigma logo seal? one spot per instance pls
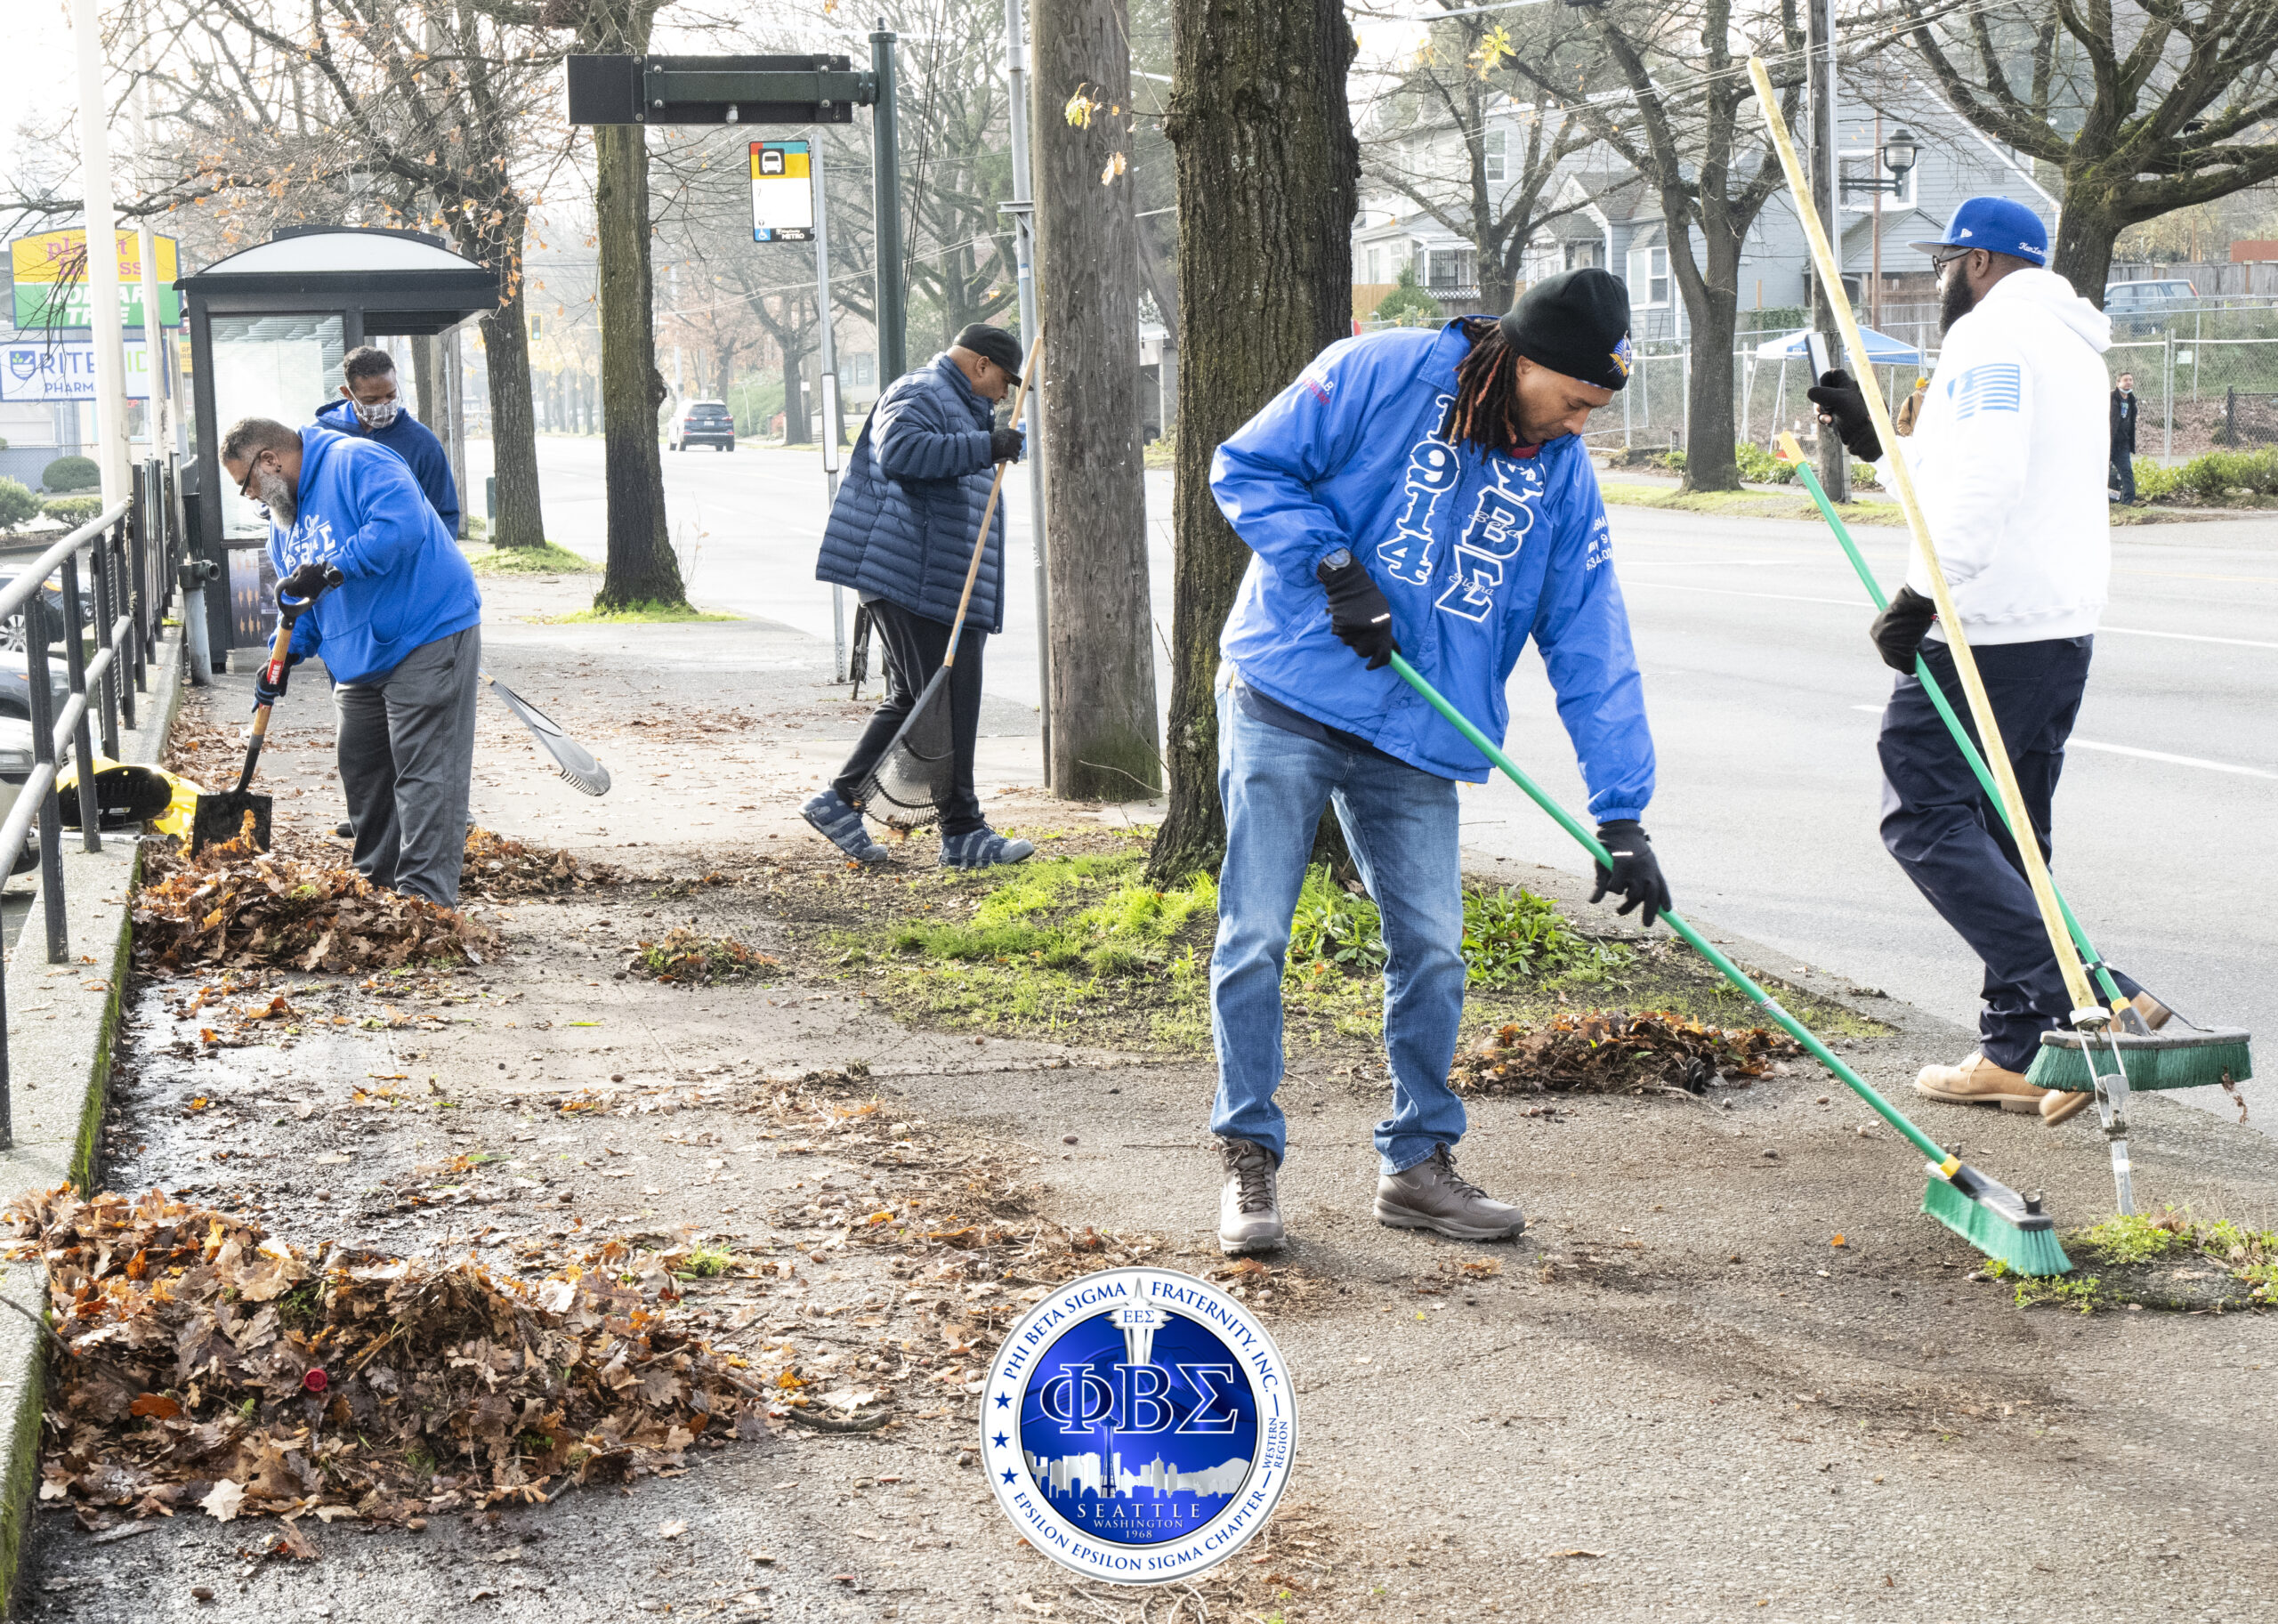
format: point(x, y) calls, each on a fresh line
point(1138, 1426)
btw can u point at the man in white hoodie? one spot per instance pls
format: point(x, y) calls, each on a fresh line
point(2007, 457)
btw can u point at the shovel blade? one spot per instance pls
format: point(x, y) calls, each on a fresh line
point(221, 817)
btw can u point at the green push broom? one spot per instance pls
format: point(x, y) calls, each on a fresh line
point(2207, 1056)
point(1989, 1214)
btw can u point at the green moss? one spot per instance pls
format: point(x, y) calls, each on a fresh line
point(2137, 1240)
point(545, 558)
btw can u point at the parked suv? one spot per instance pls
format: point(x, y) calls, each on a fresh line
point(702, 423)
point(2131, 298)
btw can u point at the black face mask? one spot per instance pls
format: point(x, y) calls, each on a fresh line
point(1955, 299)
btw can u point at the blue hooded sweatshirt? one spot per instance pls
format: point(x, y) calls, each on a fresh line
point(412, 440)
point(407, 582)
point(1477, 552)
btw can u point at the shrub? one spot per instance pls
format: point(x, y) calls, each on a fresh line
point(17, 503)
point(73, 511)
point(1759, 465)
point(70, 473)
point(1407, 304)
point(2156, 482)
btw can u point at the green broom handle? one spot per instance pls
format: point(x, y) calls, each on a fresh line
point(1953, 722)
point(1941, 1162)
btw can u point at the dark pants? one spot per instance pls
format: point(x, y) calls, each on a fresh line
point(913, 649)
point(2123, 474)
point(407, 752)
point(1951, 840)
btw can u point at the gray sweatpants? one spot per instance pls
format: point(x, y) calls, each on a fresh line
point(407, 752)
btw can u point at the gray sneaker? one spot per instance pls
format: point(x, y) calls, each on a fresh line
point(1433, 1195)
point(1250, 1208)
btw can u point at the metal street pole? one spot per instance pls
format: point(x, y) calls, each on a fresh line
point(829, 381)
point(1023, 210)
point(885, 176)
point(158, 410)
point(1819, 59)
point(103, 255)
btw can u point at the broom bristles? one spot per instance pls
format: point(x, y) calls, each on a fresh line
point(2163, 1060)
point(2030, 1249)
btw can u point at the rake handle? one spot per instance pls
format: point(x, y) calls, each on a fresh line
point(2076, 980)
point(1942, 1162)
point(1930, 686)
point(989, 514)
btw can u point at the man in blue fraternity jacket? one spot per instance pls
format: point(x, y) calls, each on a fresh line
point(370, 408)
point(400, 635)
point(1425, 494)
point(902, 534)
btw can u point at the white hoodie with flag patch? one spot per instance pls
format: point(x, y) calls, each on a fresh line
point(2011, 455)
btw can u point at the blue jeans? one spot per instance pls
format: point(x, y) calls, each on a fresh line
point(1952, 841)
point(1402, 825)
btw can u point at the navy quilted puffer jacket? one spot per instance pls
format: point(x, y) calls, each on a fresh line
point(916, 487)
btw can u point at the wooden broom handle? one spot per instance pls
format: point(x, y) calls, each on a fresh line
point(989, 514)
point(1997, 752)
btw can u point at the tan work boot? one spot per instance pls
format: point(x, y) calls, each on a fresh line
point(1978, 1081)
point(2063, 1104)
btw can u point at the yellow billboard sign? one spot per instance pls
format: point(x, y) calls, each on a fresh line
point(49, 269)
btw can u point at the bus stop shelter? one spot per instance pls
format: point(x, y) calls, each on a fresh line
point(268, 327)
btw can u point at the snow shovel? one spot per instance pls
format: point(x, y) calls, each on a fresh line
point(577, 763)
point(1989, 1214)
point(918, 770)
point(223, 816)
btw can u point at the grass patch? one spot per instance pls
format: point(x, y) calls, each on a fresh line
point(1746, 503)
point(1074, 945)
point(638, 614)
point(1160, 452)
point(545, 558)
point(706, 1263)
point(2167, 1259)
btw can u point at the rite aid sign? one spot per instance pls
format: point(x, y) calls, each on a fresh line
point(36, 370)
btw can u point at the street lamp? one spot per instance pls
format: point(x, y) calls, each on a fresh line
point(1896, 158)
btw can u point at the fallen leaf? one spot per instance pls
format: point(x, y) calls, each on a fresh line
point(671, 1531)
point(155, 1405)
point(222, 1504)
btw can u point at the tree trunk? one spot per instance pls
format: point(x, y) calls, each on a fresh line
point(1103, 658)
point(2081, 253)
point(423, 380)
point(1712, 307)
point(795, 404)
point(641, 567)
point(1267, 174)
point(513, 436)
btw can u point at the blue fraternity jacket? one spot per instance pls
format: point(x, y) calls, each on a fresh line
point(412, 440)
point(916, 487)
point(1475, 552)
point(407, 582)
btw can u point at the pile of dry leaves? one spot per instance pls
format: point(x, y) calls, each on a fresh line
point(690, 960)
point(499, 867)
point(212, 1366)
point(232, 905)
point(1612, 1053)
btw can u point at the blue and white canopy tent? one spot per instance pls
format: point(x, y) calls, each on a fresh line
point(1905, 363)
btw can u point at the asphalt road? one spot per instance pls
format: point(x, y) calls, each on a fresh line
point(1764, 696)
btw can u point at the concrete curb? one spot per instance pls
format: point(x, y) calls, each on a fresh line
point(62, 1022)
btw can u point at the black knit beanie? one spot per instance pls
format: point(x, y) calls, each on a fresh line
point(1576, 322)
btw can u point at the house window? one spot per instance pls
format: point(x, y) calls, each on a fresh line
point(1376, 265)
point(1860, 166)
point(1449, 268)
point(1492, 144)
point(1581, 253)
point(1649, 277)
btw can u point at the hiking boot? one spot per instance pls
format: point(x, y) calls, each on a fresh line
point(2155, 1013)
point(1433, 1195)
point(1249, 1207)
point(1978, 1081)
point(982, 848)
point(2063, 1104)
point(842, 825)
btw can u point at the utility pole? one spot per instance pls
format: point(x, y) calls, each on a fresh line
point(1023, 211)
point(103, 255)
point(893, 322)
point(158, 358)
point(1819, 60)
point(828, 351)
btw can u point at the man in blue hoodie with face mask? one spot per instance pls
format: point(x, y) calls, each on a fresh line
point(400, 634)
point(371, 409)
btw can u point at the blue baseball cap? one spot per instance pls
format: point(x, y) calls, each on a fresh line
point(1996, 225)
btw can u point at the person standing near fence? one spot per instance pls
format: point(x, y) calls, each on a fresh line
point(2124, 413)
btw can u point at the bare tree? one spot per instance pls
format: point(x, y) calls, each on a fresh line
point(2141, 108)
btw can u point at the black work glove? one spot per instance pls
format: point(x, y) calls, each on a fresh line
point(262, 693)
point(1005, 444)
point(1840, 403)
point(1359, 614)
point(300, 588)
point(1636, 875)
point(1898, 630)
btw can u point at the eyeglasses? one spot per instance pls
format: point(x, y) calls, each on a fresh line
point(1939, 261)
point(244, 485)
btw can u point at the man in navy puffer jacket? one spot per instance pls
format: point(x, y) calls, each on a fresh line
point(902, 534)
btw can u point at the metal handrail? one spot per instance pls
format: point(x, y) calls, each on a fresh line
point(134, 550)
